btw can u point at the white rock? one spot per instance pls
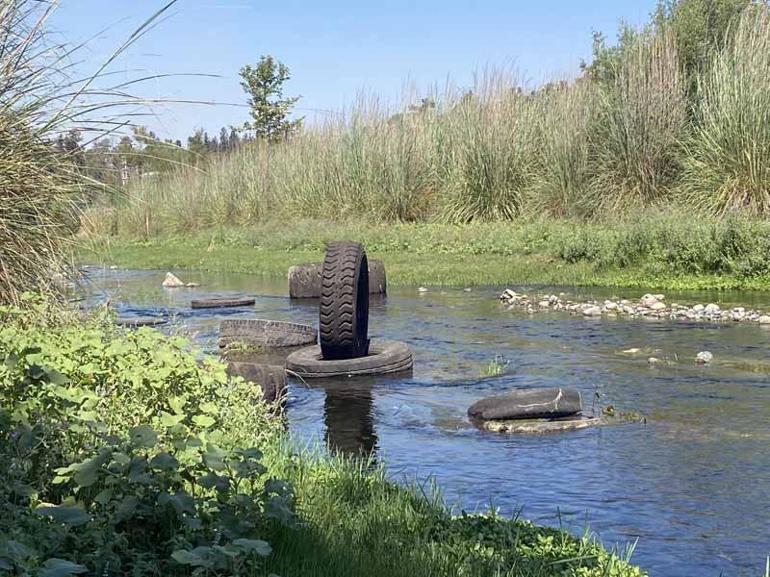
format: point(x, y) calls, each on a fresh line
point(658, 306)
point(422, 289)
point(632, 351)
point(648, 300)
point(610, 306)
point(467, 289)
point(114, 267)
point(192, 285)
point(660, 297)
point(592, 311)
point(654, 361)
point(704, 357)
point(711, 309)
point(764, 320)
point(698, 308)
point(172, 281)
point(544, 304)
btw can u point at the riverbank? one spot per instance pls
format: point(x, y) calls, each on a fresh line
point(669, 253)
point(130, 472)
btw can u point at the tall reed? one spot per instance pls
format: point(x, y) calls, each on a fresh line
point(41, 97)
point(642, 117)
point(37, 186)
point(564, 167)
point(727, 165)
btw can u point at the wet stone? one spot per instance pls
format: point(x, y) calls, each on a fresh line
point(528, 404)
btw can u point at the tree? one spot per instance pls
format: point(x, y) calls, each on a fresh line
point(224, 140)
point(269, 109)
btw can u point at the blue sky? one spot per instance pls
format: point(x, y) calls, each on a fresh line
point(336, 50)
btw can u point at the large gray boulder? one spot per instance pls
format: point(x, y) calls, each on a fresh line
point(305, 280)
point(528, 404)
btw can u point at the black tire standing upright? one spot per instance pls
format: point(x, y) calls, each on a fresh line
point(344, 316)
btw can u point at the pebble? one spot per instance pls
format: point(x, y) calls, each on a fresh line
point(649, 306)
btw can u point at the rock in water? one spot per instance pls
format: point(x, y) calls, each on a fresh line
point(528, 404)
point(172, 281)
point(704, 358)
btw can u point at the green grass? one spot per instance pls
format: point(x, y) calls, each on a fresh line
point(668, 252)
point(357, 523)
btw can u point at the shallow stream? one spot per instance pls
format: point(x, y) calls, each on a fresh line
point(692, 485)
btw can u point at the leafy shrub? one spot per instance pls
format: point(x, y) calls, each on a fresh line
point(87, 485)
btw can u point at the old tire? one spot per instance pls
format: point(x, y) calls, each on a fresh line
point(344, 308)
point(271, 379)
point(265, 333)
point(384, 357)
point(135, 322)
point(218, 303)
point(305, 280)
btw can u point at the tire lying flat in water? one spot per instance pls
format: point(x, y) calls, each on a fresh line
point(547, 403)
point(265, 333)
point(384, 357)
point(344, 308)
point(135, 322)
point(305, 280)
point(218, 303)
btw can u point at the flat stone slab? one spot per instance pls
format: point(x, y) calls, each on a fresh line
point(140, 321)
point(217, 303)
point(528, 404)
point(265, 333)
point(305, 280)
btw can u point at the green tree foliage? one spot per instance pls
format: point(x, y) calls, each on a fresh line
point(699, 26)
point(269, 109)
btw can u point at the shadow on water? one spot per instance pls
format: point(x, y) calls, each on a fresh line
point(693, 486)
point(349, 416)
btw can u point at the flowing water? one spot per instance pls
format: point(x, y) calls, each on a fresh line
point(692, 485)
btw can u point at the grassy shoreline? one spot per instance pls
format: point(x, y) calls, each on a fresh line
point(132, 474)
point(656, 254)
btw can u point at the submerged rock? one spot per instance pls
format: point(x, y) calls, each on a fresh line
point(528, 404)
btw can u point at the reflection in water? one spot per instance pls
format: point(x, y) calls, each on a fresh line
point(348, 417)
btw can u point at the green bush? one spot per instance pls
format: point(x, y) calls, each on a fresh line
point(123, 454)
